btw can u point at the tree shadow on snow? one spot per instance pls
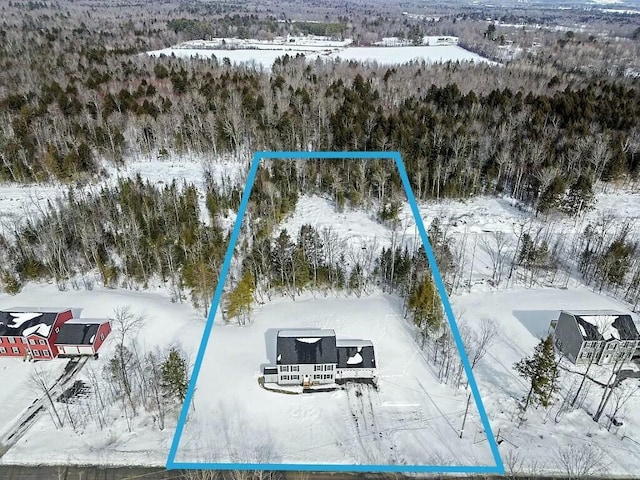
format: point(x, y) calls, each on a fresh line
point(538, 322)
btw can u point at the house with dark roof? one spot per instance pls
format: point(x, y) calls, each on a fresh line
point(31, 332)
point(310, 357)
point(356, 359)
point(82, 336)
point(596, 336)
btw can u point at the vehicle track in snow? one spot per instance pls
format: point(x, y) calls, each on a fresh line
point(21, 425)
point(374, 439)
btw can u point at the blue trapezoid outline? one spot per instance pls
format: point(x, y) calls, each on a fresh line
point(394, 155)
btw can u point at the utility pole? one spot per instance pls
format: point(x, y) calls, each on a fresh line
point(466, 411)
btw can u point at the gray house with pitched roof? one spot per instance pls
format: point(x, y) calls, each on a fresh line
point(310, 357)
point(596, 336)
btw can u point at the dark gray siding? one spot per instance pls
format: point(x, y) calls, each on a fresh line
point(568, 338)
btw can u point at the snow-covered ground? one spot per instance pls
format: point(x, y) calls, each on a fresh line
point(263, 54)
point(410, 419)
point(165, 324)
point(21, 202)
point(523, 317)
point(408, 389)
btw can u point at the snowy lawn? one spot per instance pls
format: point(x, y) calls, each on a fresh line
point(165, 324)
point(410, 419)
point(523, 317)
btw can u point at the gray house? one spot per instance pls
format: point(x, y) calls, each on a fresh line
point(596, 336)
point(315, 357)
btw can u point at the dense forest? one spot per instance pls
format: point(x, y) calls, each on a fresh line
point(549, 129)
point(77, 93)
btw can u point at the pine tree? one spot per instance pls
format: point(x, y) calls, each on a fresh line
point(552, 196)
point(541, 369)
point(175, 375)
point(580, 198)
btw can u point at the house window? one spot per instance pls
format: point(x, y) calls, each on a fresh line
point(42, 342)
point(285, 377)
point(317, 377)
point(57, 330)
point(284, 368)
point(12, 340)
point(0, 339)
point(102, 336)
point(295, 377)
point(35, 353)
point(328, 368)
point(15, 349)
point(318, 368)
point(3, 350)
point(32, 341)
point(295, 368)
point(45, 353)
point(327, 377)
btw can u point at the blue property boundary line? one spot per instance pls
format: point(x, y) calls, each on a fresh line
point(172, 464)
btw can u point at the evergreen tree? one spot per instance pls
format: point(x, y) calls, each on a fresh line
point(175, 375)
point(580, 198)
point(425, 306)
point(541, 369)
point(240, 298)
point(552, 196)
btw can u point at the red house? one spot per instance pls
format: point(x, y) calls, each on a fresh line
point(82, 336)
point(31, 332)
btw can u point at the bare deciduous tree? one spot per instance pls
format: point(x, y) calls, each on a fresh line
point(580, 461)
point(496, 246)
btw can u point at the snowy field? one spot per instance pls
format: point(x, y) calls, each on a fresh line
point(19, 203)
point(411, 419)
point(165, 324)
point(472, 222)
point(380, 55)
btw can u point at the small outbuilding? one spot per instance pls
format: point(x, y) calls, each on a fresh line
point(82, 336)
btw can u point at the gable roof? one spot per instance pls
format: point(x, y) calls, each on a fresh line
point(355, 354)
point(21, 321)
point(79, 331)
point(306, 346)
point(605, 325)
